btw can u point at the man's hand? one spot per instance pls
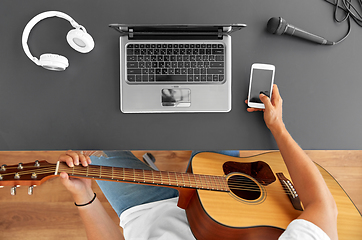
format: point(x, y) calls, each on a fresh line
point(79, 188)
point(273, 112)
point(98, 224)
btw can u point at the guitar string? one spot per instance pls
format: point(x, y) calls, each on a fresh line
point(159, 179)
point(130, 176)
point(236, 185)
point(137, 173)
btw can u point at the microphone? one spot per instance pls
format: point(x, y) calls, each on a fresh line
point(279, 26)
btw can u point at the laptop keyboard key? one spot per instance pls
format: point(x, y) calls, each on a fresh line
point(215, 71)
point(133, 71)
point(171, 78)
point(131, 78)
point(217, 64)
point(218, 51)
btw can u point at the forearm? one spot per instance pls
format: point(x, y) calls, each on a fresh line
point(320, 207)
point(98, 223)
point(305, 175)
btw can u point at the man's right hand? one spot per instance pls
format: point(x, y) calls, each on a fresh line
point(273, 112)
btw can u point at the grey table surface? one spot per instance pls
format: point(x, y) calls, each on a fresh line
point(79, 108)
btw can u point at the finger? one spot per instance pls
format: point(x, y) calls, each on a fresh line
point(276, 98)
point(64, 179)
point(254, 109)
point(265, 100)
point(83, 160)
point(68, 159)
point(74, 156)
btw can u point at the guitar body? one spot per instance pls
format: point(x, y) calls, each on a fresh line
point(224, 215)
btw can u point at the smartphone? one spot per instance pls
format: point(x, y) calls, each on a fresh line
point(261, 81)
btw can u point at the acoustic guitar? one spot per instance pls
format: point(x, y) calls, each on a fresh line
point(224, 197)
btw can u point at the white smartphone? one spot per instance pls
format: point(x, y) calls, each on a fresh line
point(261, 81)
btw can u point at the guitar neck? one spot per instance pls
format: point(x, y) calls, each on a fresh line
point(150, 177)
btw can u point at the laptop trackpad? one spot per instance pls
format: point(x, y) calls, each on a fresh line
point(176, 97)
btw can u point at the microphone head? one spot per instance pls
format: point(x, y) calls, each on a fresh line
point(276, 25)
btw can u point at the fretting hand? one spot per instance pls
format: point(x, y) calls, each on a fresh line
point(80, 188)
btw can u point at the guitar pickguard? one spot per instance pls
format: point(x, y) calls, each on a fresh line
point(259, 170)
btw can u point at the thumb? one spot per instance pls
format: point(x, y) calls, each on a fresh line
point(265, 100)
point(64, 179)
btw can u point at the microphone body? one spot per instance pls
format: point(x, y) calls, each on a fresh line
point(279, 26)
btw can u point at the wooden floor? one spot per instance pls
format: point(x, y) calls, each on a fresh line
point(50, 213)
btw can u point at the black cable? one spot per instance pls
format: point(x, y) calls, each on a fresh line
point(350, 11)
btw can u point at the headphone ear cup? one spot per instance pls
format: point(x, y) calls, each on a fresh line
point(53, 62)
point(80, 40)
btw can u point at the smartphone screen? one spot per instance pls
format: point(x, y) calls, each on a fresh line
point(261, 83)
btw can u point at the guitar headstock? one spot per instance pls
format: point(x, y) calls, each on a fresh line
point(29, 174)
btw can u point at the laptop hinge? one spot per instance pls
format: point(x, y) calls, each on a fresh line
point(137, 35)
point(130, 33)
point(219, 33)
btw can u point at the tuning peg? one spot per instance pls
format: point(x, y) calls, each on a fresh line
point(3, 168)
point(13, 190)
point(20, 166)
point(30, 189)
point(37, 164)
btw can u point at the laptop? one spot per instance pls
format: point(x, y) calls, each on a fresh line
point(175, 68)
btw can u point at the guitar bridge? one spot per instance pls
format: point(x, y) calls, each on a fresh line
point(290, 191)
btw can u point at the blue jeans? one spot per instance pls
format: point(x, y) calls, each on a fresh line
point(122, 196)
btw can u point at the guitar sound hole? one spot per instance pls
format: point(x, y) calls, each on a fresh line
point(244, 187)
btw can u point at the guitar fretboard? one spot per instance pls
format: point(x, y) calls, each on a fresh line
point(162, 178)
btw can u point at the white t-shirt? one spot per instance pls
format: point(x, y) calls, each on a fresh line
point(163, 220)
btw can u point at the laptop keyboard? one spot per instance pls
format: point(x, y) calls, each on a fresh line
point(171, 63)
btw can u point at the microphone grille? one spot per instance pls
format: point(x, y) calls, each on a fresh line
point(272, 25)
point(276, 25)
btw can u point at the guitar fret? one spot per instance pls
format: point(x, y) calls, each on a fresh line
point(183, 179)
point(190, 184)
point(195, 181)
point(205, 182)
point(215, 186)
point(157, 175)
point(168, 176)
point(175, 178)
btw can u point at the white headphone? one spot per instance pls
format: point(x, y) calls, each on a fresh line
point(77, 38)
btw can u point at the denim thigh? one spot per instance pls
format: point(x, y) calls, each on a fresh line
point(121, 195)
